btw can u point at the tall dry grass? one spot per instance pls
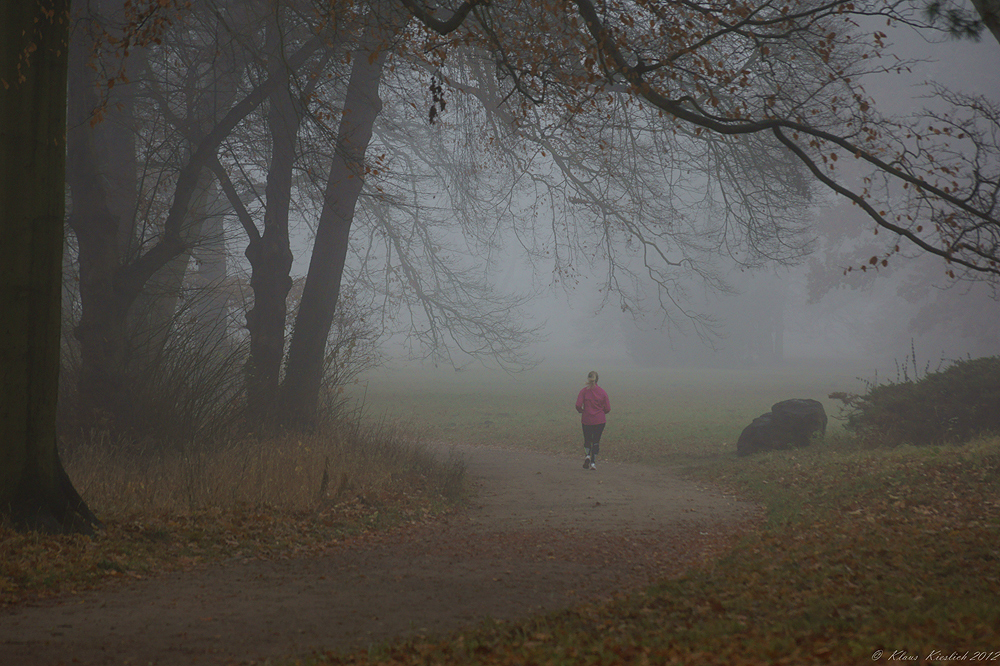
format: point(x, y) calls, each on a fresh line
point(293, 472)
point(168, 509)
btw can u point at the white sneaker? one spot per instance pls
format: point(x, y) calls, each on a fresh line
point(593, 466)
point(586, 463)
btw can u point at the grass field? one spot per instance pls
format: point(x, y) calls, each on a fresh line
point(658, 415)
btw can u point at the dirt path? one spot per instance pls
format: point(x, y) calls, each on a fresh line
point(542, 534)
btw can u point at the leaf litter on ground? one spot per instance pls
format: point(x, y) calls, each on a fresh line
point(866, 556)
point(895, 551)
point(34, 566)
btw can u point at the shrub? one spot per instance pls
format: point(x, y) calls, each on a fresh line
point(947, 406)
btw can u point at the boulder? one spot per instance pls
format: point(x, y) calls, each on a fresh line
point(789, 424)
point(756, 437)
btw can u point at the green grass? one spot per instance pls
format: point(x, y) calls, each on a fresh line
point(658, 416)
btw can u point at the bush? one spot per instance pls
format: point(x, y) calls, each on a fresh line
point(944, 407)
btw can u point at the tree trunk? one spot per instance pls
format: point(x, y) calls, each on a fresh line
point(306, 352)
point(34, 489)
point(98, 229)
point(270, 255)
point(152, 315)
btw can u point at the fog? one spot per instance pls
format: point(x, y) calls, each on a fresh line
point(462, 254)
point(908, 307)
point(776, 312)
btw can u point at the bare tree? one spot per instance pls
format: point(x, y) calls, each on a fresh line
point(787, 74)
point(602, 188)
point(455, 306)
point(121, 250)
point(433, 225)
point(304, 370)
point(269, 252)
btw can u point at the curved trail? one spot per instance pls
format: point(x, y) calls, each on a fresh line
point(542, 534)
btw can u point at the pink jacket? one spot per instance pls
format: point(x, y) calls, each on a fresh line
point(593, 403)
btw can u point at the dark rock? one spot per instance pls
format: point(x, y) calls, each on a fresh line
point(798, 420)
point(790, 423)
point(755, 437)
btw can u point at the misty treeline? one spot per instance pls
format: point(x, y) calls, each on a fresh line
point(213, 146)
point(815, 310)
point(203, 164)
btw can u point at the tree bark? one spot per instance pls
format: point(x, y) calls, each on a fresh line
point(307, 348)
point(270, 255)
point(34, 489)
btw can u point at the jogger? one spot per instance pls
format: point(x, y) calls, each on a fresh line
point(593, 403)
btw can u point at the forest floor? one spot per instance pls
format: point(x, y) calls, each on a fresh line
point(539, 534)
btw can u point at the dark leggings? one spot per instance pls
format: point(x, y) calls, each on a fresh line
point(592, 438)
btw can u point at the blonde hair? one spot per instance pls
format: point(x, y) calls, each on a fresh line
point(592, 374)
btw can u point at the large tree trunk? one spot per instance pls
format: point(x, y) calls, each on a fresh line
point(34, 489)
point(306, 352)
point(270, 255)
